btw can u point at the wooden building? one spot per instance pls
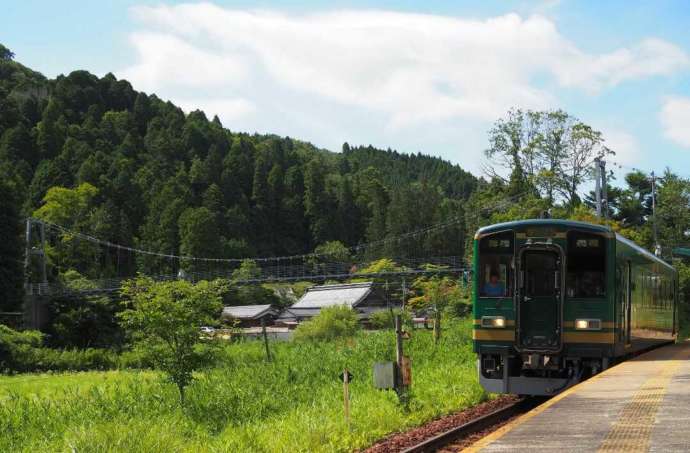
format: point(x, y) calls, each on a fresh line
point(364, 298)
point(250, 315)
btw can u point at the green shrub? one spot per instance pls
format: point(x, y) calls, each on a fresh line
point(47, 359)
point(22, 352)
point(330, 324)
point(84, 321)
point(17, 348)
point(385, 319)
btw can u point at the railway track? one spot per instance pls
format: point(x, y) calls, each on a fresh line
point(476, 425)
point(460, 430)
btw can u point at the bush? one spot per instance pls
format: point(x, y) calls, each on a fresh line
point(330, 324)
point(137, 358)
point(385, 319)
point(46, 359)
point(16, 348)
point(84, 321)
point(22, 352)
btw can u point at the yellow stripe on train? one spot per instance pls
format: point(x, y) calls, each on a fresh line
point(568, 337)
point(493, 334)
point(589, 337)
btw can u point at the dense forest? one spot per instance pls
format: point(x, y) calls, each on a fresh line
point(95, 156)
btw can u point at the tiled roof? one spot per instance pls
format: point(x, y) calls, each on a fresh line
point(349, 294)
point(246, 311)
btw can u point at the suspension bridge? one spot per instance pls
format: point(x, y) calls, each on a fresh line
point(124, 262)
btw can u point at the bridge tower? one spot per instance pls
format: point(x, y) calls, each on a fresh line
point(36, 286)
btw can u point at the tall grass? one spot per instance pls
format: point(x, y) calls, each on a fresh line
point(293, 403)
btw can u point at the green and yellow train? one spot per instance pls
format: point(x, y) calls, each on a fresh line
point(557, 300)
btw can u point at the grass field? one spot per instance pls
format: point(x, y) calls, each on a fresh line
point(291, 404)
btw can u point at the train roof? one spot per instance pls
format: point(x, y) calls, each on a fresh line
point(581, 226)
point(545, 222)
point(644, 252)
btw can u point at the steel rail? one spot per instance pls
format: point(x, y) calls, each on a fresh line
point(478, 424)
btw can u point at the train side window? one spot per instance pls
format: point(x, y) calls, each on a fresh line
point(586, 277)
point(496, 265)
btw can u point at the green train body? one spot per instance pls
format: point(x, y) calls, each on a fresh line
point(555, 300)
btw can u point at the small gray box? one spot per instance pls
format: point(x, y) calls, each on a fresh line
point(384, 375)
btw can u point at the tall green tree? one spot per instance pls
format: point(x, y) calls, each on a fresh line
point(673, 210)
point(11, 247)
point(199, 237)
point(319, 204)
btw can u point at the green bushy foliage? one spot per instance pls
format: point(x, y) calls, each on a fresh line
point(330, 324)
point(16, 348)
point(164, 318)
point(22, 352)
point(385, 319)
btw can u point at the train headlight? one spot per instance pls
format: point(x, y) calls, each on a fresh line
point(588, 324)
point(493, 321)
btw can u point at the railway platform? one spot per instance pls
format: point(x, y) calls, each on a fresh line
point(641, 405)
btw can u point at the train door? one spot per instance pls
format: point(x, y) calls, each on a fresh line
point(539, 301)
point(627, 301)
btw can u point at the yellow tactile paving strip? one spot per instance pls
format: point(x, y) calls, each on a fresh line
point(635, 391)
point(633, 429)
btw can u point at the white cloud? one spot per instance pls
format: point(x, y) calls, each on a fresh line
point(389, 78)
point(675, 120)
point(624, 144)
point(169, 60)
point(651, 57)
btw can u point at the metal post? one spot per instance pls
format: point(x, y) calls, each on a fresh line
point(27, 256)
point(604, 189)
point(506, 373)
point(657, 249)
point(398, 341)
point(44, 272)
point(404, 293)
point(597, 185)
point(346, 396)
point(265, 335)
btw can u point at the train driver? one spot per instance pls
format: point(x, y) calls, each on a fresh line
point(494, 287)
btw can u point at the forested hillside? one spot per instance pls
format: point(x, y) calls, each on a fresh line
point(142, 172)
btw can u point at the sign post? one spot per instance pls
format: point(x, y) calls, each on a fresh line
point(347, 378)
point(265, 335)
point(403, 376)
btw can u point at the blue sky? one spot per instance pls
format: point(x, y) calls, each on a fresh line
point(416, 76)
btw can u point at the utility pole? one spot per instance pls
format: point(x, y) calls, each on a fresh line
point(604, 189)
point(600, 188)
point(597, 185)
point(657, 247)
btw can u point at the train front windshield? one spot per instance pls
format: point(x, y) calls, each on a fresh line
point(496, 265)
